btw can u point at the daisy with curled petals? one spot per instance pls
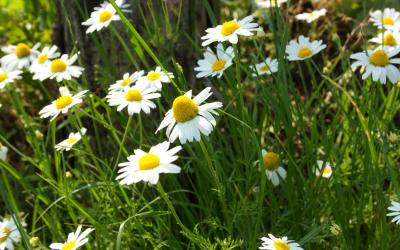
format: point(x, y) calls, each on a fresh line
point(72, 139)
point(215, 64)
point(43, 58)
point(324, 169)
point(312, 16)
point(135, 99)
point(395, 211)
point(388, 19)
point(74, 240)
point(126, 80)
point(230, 30)
point(8, 75)
point(147, 166)
point(388, 38)
point(9, 233)
point(155, 78)
point(268, 67)
point(187, 119)
point(303, 48)
point(273, 167)
point(19, 56)
point(273, 243)
point(379, 64)
point(61, 69)
point(62, 104)
point(269, 3)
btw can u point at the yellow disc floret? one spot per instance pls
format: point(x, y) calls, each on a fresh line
point(218, 65)
point(125, 82)
point(6, 232)
point(184, 109)
point(3, 76)
point(42, 58)
point(153, 76)
point(149, 161)
point(379, 58)
point(105, 15)
point(304, 52)
point(71, 140)
point(264, 68)
point(69, 245)
point(388, 21)
point(280, 245)
point(272, 161)
point(327, 171)
point(22, 50)
point(63, 101)
point(389, 40)
point(133, 95)
point(58, 65)
point(229, 27)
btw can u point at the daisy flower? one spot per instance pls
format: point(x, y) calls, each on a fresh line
point(388, 19)
point(39, 64)
point(62, 104)
point(273, 243)
point(395, 211)
point(379, 64)
point(74, 240)
point(155, 78)
point(8, 75)
point(187, 119)
point(273, 167)
point(388, 38)
point(135, 99)
point(142, 166)
point(19, 56)
point(73, 138)
point(61, 69)
point(269, 3)
point(268, 67)
point(303, 49)
point(126, 80)
point(230, 30)
point(3, 152)
point(324, 169)
point(9, 233)
point(215, 64)
point(312, 16)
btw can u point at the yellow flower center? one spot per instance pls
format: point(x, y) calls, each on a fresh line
point(6, 232)
point(71, 140)
point(105, 15)
point(42, 58)
point(125, 82)
point(149, 161)
point(69, 245)
point(218, 65)
point(3, 76)
point(326, 171)
point(264, 68)
point(388, 21)
point(63, 101)
point(153, 76)
point(389, 40)
point(272, 161)
point(133, 95)
point(58, 65)
point(379, 58)
point(184, 109)
point(22, 50)
point(304, 52)
point(280, 245)
point(229, 27)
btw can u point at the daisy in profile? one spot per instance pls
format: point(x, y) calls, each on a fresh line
point(135, 99)
point(303, 49)
point(155, 78)
point(229, 31)
point(188, 119)
point(43, 58)
point(378, 63)
point(147, 166)
point(324, 169)
point(268, 67)
point(9, 233)
point(72, 139)
point(3, 152)
point(19, 56)
point(273, 243)
point(388, 38)
point(74, 240)
point(388, 19)
point(269, 3)
point(215, 64)
point(395, 212)
point(62, 104)
point(126, 80)
point(8, 75)
point(61, 69)
point(311, 16)
point(273, 167)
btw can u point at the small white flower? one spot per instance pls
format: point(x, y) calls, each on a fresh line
point(379, 64)
point(230, 30)
point(8, 75)
point(9, 234)
point(312, 16)
point(155, 78)
point(127, 80)
point(268, 67)
point(303, 49)
point(72, 139)
point(388, 38)
point(74, 240)
point(388, 19)
point(187, 119)
point(269, 3)
point(18, 56)
point(273, 167)
point(42, 60)
point(273, 243)
point(215, 64)
point(324, 169)
point(62, 104)
point(60, 69)
point(142, 166)
point(3, 152)
point(395, 212)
